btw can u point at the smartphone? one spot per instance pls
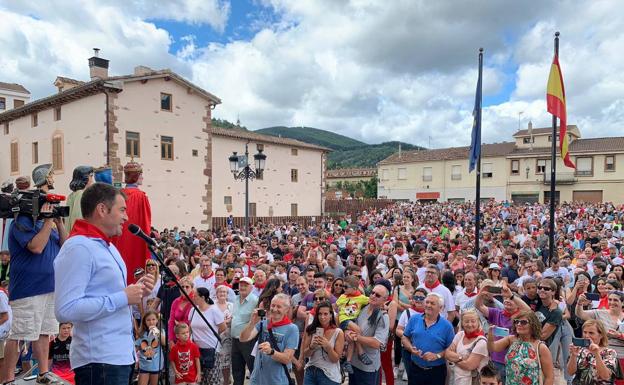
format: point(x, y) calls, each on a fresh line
point(500, 332)
point(581, 342)
point(592, 296)
point(320, 332)
point(261, 313)
point(495, 289)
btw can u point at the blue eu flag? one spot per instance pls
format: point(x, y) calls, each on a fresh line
point(475, 144)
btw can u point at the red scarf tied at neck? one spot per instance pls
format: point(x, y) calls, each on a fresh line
point(470, 295)
point(474, 334)
point(509, 314)
point(433, 286)
point(283, 322)
point(260, 285)
point(82, 227)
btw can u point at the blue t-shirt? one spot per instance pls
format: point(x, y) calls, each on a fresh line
point(30, 274)
point(149, 352)
point(435, 338)
point(267, 371)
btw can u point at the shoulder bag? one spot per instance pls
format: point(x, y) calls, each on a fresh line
point(207, 356)
point(273, 343)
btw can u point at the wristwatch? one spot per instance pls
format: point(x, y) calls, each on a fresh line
point(271, 352)
point(438, 356)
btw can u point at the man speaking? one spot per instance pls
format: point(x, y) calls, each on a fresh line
point(91, 291)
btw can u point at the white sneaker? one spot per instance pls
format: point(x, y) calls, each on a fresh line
point(404, 378)
point(395, 371)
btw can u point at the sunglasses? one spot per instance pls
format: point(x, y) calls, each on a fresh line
point(418, 298)
point(522, 322)
point(377, 294)
point(319, 298)
point(545, 288)
point(338, 285)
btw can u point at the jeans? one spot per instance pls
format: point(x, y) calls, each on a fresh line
point(419, 376)
point(241, 356)
point(315, 376)
point(360, 377)
point(103, 374)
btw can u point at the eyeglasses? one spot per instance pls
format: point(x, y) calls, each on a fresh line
point(319, 298)
point(418, 298)
point(431, 272)
point(545, 288)
point(522, 322)
point(338, 285)
point(377, 294)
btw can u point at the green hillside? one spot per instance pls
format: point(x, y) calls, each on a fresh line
point(313, 135)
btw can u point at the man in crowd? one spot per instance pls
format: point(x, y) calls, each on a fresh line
point(244, 306)
point(433, 285)
point(33, 245)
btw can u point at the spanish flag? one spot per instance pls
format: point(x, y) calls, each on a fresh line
point(556, 105)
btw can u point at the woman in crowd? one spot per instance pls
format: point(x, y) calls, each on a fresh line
point(527, 357)
point(494, 273)
point(323, 343)
point(337, 287)
point(151, 267)
point(180, 307)
point(582, 285)
point(603, 291)
point(391, 267)
point(374, 276)
point(611, 320)
point(226, 340)
point(595, 364)
point(417, 306)
point(468, 353)
point(207, 337)
point(273, 286)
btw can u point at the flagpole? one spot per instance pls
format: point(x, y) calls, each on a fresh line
point(553, 169)
point(478, 184)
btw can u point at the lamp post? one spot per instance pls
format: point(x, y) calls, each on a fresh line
point(246, 173)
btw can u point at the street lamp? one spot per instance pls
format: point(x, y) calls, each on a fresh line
point(246, 173)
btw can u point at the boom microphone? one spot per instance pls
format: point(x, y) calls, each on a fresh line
point(136, 230)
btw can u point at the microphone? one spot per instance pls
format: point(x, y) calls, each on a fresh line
point(136, 230)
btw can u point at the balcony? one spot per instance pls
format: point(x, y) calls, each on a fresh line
point(561, 178)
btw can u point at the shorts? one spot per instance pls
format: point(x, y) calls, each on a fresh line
point(141, 371)
point(344, 325)
point(33, 317)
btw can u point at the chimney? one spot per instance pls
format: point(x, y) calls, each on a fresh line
point(530, 130)
point(98, 67)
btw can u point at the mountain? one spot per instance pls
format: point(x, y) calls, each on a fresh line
point(313, 135)
point(348, 152)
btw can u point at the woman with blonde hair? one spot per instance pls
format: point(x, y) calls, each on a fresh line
point(468, 352)
point(528, 358)
point(595, 364)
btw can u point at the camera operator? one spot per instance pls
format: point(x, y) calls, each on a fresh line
point(33, 245)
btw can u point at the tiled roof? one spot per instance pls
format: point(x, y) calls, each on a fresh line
point(351, 172)
point(68, 80)
point(487, 150)
point(572, 128)
point(615, 143)
point(13, 87)
point(252, 136)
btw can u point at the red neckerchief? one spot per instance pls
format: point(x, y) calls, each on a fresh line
point(356, 294)
point(603, 303)
point(435, 284)
point(208, 277)
point(418, 310)
point(470, 295)
point(222, 284)
point(474, 334)
point(82, 227)
point(259, 286)
point(284, 321)
point(510, 315)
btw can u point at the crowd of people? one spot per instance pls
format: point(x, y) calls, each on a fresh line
point(388, 294)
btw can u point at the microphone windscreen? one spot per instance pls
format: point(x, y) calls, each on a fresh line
point(134, 229)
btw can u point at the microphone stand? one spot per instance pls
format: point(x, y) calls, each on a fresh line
point(188, 298)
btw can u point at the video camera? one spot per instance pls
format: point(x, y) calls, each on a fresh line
point(29, 203)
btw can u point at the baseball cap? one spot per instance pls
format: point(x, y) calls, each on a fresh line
point(494, 266)
point(473, 257)
point(246, 280)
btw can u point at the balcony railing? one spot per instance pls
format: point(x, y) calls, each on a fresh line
point(561, 178)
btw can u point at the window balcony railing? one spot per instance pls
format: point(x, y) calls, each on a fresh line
point(561, 178)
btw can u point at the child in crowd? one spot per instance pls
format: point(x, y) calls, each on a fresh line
point(184, 357)
point(6, 316)
point(149, 350)
point(489, 375)
point(59, 353)
point(350, 305)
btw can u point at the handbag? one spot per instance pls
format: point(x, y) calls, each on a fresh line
point(273, 343)
point(207, 358)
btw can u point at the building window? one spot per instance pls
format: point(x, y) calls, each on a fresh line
point(166, 147)
point(427, 174)
point(2, 104)
point(17, 103)
point(486, 170)
point(515, 167)
point(252, 209)
point(293, 209)
point(165, 101)
point(35, 152)
point(57, 113)
point(14, 157)
point(133, 144)
point(6, 128)
point(384, 174)
point(402, 174)
point(34, 119)
point(540, 166)
point(610, 163)
point(195, 153)
point(530, 139)
point(456, 172)
point(227, 200)
point(294, 152)
point(294, 175)
point(585, 166)
point(550, 138)
point(57, 152)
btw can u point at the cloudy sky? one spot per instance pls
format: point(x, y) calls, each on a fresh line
point(374, 70)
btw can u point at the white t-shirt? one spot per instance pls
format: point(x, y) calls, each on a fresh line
point(404, 319)
point(5, 308)
point(449, 303)
point(202, 335)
